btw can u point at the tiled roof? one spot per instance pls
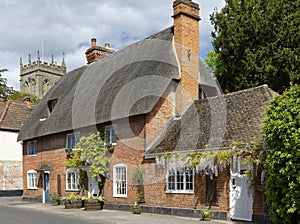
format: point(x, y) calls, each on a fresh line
point(13, 114)
point(216, 122)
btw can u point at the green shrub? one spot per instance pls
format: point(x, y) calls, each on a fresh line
point(282, 134)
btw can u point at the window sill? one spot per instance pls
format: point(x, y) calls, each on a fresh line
point(32, 188)
point(120, 196)
point(179, 192)
point(72, 190)
point(33, 155)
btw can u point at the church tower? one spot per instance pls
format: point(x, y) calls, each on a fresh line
point(37, 77)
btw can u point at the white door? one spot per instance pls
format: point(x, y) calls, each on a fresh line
point(93, 185)
point(241, 195)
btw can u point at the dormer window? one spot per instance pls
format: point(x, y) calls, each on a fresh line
point(51, 105)
point(200, 93)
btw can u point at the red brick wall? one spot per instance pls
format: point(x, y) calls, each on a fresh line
point(186, 37)
point(51, 150)
point(161, 114)
point(155, 189)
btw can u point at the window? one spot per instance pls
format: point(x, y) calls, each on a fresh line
point(72, 140)
point(120, 180)
point(31, 179)
point(51, 105)
point(110, 135)
point(200, 93)
point(180, 182)
point(31, 148)
point(72, 180)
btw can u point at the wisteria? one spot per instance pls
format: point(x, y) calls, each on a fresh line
point(204, 163)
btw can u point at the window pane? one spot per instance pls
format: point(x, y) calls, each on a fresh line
point(107, 135)
point(72, 140)
point(113, 136)
point(181, 181)
point(120, 181)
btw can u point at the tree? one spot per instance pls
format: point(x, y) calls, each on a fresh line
point(90, 153)
point(282, 134)
point(213, 62)
point(16, 95)
point(257, 42)
point(5, 91)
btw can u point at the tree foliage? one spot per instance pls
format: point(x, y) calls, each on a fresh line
point(91, 153)
point(257, 42)
point(5, 91)
point(16, 95)
point(282, 133)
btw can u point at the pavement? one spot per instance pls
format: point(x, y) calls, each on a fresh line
point(106, 216)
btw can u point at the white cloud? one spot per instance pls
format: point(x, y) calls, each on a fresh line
point(67, 26)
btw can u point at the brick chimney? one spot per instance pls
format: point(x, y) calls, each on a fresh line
point(96, 52)
point(186, 36)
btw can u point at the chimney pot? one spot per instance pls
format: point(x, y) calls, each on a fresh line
point(107, 45)
point(94, 42)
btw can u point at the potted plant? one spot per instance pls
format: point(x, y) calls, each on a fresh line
point(55, 199)
point(72, 201)
point(109, 147)
point(206, 215)
point(137, 209)
point(137, 179)
point(93, 203)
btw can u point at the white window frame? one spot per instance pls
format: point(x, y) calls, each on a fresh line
point(180, 182)
point(32, 148)
point(76, 139)
point(32, 179)
point(112, 132)
point(74, 178)
point(118, 181)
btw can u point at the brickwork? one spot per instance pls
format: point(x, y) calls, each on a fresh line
point(96, 52)
point(155, 188)
point(186, 37)
point(259, 206)
point(161, 114)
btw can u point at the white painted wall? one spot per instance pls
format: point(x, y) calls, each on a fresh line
point(10, 149)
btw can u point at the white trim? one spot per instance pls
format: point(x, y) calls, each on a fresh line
point(73, 181)
point(34, 150)
point(31, 181)
point(44, 192)
point(184, 182)
point(70, 134)
point(110, 127)
point(115, 193)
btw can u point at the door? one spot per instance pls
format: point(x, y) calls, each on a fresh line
point(46, 188)
point(241, 194)
point(93, 185)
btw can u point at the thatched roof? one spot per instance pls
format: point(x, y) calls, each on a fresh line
point(129, 82)
point(216, 122)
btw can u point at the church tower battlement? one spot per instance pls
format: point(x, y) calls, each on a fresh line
point(37, 77)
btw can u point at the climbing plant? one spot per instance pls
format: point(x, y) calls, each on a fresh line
point(256, 154)
point(204, 162)
point(91, 153)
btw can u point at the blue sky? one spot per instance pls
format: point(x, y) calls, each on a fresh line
point(57, 27)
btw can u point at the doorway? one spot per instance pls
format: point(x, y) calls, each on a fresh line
point(241, 193)
point(46, 188)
